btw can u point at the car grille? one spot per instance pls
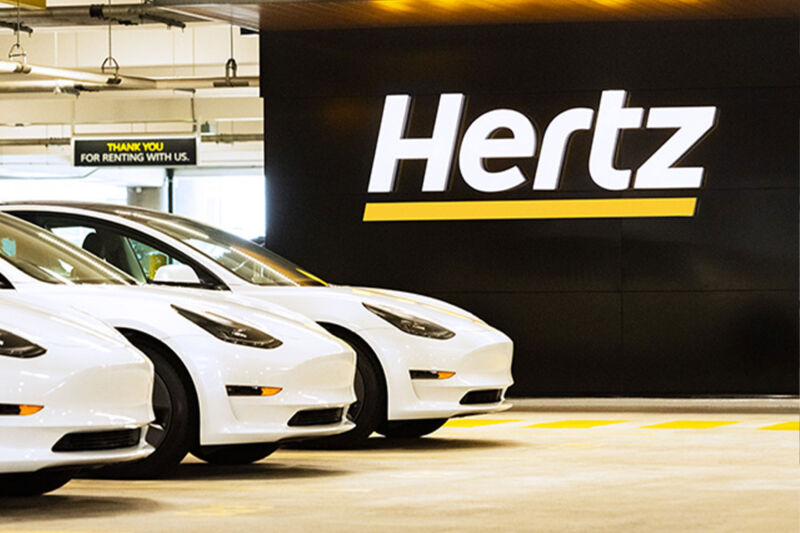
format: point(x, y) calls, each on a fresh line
point(98, 440)
point(317, 417)
point(482, 396)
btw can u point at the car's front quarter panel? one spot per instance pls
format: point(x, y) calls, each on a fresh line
point(311, 374)
point(481, 360)
point(212, 364)
point(88, 387)
point(480, 355)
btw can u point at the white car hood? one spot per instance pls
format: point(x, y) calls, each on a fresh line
point(344, 303)
point(49, 325)
point(133, 306)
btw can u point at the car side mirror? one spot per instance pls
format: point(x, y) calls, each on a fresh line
point(176, 274)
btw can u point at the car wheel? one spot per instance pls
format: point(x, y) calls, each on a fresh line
point(234, 454)
point(33, 484)
point(173, 432)
point(410, 429)
point(369, 409)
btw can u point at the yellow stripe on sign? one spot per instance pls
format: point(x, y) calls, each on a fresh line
point(575, 424)
point(690, 424)
point(530, 209)
point(464, 423)
point(785, 426)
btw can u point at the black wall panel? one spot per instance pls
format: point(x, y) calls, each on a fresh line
point(700, 305)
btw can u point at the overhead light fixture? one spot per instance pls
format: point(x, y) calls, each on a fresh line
point(17, 52)
point(231, 68)
point(110, 61)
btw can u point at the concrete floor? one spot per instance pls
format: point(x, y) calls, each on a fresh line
point(502, 476)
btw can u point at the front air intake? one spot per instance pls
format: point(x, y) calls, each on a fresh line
point(98, 440)
point(317, 417)
point(482, 396)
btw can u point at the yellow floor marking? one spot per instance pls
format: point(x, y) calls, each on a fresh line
point(458, 423)
point(690, 424)
point(53, 531)
point(785, 426)
point(576, 424)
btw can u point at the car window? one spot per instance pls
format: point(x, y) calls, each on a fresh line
point(150, 259)
point(47, 258)
point(247, 260)
point(118, 245)
point(74, 234)
point(107, 245)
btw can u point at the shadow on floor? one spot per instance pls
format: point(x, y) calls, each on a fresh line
point(426, 444)
point(267, 470)
point(57, 507)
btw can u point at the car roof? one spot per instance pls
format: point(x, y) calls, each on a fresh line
point(92, 206)
point(124, 211)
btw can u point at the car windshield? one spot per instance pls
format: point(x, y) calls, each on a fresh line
point(45, 257)
point(246, 259)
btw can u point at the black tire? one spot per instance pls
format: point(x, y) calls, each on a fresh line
point(33, 484)
point(369, 410)
point(233, 454)
point(410, 429)
point(174, 431)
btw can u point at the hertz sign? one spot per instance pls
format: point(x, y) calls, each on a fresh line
point(478, 144)
point(169, 152)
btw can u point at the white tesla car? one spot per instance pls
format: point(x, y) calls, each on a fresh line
point(231, 380)
point(420, 360)
point(74, 395)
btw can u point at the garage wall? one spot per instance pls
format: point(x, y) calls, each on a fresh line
point(658, 306)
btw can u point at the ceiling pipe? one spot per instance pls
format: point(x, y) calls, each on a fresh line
point(230, 138)
point(80, 80)
point(72, 86)
point(206, 83)
point(50, 141)
point(53, 73)
point(125, 14)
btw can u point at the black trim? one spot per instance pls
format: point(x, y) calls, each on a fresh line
point(482, 396)
point(98, 440)
point(423, 374)
point(242, 390)
point(8, 409)
point(317, 417)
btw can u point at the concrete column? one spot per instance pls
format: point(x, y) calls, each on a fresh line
point(150, 197)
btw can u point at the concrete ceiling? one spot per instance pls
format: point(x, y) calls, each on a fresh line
point(313, 14)
point(318, 14)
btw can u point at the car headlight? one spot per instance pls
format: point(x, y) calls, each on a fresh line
point(230, 331)
point(15, 346)
point(410, 324)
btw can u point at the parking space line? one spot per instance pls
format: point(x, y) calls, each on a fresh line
point(467, 423)
point(575, 424)
point(588, 424)
point(785, 426)
point(691, 424)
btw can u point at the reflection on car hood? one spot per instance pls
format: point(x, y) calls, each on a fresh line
point(153, 305)
point(49, 325)
point(413, 303)
point(330, 303)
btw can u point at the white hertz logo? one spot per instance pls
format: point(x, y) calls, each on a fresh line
point(613, 116)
